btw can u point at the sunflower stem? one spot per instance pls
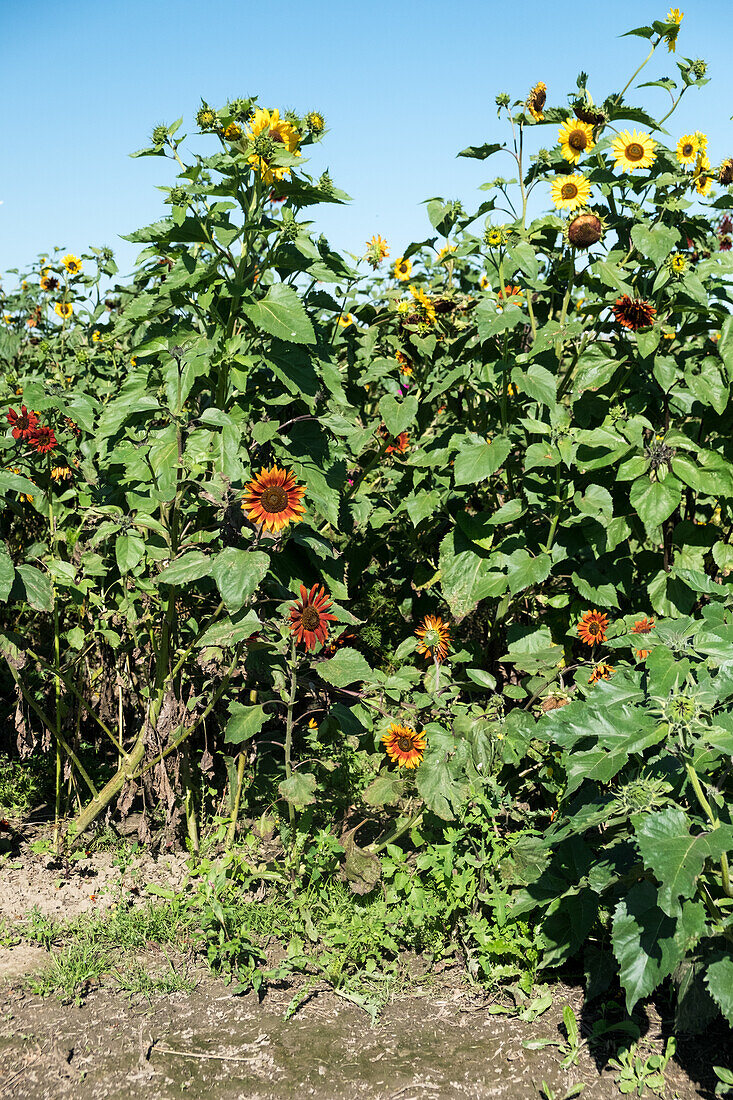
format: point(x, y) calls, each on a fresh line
point(289, 734)
point(634, 75)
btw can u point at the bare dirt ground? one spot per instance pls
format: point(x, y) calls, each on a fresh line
point(428, 1044)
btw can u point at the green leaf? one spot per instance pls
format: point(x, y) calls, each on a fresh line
point(7, 572)
point(525, 570)
point(244, 723)
point(281, 314)
point(443, 792)
point(129, 552)
point(385, 790)
point(477, 461)
point(674, 856)
point(183, 570)
point(397, 415)
point(466, 578)
point(299, 790)
point(540, 384)
point(655, 501)
point(37, 586)
point(719, 980)
point(238, 574)
point(480, 152)
point(647, 943)
point(655, 242)
point(227, 632)
point(346, 667)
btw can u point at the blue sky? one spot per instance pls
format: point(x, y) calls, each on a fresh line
point(403, 86)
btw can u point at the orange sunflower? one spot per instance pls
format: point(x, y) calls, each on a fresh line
point(273, 499)
point(643, 626)
point(602, 671)
point(403, 745)
point(642, 654)
point(400, 444)
point(634, 313)
point(592, 627)
point(309, 617)
point(433, 638)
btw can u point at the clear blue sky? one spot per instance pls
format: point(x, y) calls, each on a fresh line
point(403, 86)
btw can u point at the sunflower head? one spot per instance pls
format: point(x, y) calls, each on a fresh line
point(434, 639)
point(575, 138)
point(310, 616)
point(677, 263)
point(494, 236)
point(403, 745)
point(687, 148)
point(726, 172)
point(315, 122)
point(601, 671)
point(643, 626)
point(402, 269)
point(536, 101)
point(633, 150)
point(584, 230)
point(592, 627)
point(273, 499)
point(377, 250)
point(570, 192)
point(63, 310)
point(233, 132)
point(633, 313)
point(72, 263)
point(674, 18)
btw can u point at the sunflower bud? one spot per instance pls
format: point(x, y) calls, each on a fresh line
point(289, 231)
point(315, 122)
point(585, 230)
point(177, 196)
point(699, 68)
point(503, 100)
point(240, 109)
point(206, 117)
point(81, 355)
point(160, 135)
point(263, 146)
point(543, 156)
point(325, 184)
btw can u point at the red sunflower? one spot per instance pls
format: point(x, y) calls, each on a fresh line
point(42, 439)
point(592, 627)
point(309, 616)
point(403, 745)
point(23, 424)
point(634, 313)
point(273, 499)
point(433, 638)
point(399, 445)
point(643, 626)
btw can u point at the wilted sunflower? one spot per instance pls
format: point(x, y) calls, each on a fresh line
point(536, 101)
point(726, 172)
point(404, 362)
point(71, 263)
point(63, 309)
point(273, 499)
point(403, 745)
point(633, 150)
point(433, 638)
point(48, 282)
point(309, 616)
point(584, 230)
point(402, 269)
point(570, 192)
point(634, 313)
point(575, 138)
point(602, 671)
point(687, 148)
point(377, 250)
point(233, 131)
point(643, 626)
point(61, 473)
point(592, 627)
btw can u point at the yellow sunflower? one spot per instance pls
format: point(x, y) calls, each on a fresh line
point(446, 253)
point(345, 320)
point(377, 250)
point(702, 176)
point(71, 263)
point(687, 148)
point(633, 150)
point(63, 309)
point(675, 17)
point(575, 138)
point(423, 305)
point(233, 131)
point(570, 192)
point(536, 101)
point(402, 269)
point(266, 132)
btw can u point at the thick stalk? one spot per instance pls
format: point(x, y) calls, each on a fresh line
point(232, 830)
point(289, 732)
point(713, 819)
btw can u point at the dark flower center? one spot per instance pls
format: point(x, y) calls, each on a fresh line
point(569, 190)
point(310, 618)
point(274, 499)
point(578, 140)
point(688, 150)
point(404, 743)
point(594, 628)
point(634, 151)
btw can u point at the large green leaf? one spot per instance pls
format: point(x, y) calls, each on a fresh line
point(397, 415)
point(346, 667)
point(477, 461)
point(675, 857)
point(300, 789)
point(655, 242)
point(189, 567)
point(466, 578)
point(281, 314)
point(719, 980)
point(244, 723)
point(37, 587)
point(238, 573)
point(647, 943)
point(655, 501)
point(129, 551)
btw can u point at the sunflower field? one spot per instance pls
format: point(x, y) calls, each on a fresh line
point(410, 573)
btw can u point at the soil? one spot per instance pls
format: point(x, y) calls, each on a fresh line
point(435, 1043)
